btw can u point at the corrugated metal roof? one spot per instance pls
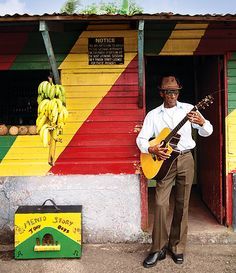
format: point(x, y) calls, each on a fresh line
point(156, 16)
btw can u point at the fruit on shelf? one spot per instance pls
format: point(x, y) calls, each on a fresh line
point(3, 130)
point(13, 130)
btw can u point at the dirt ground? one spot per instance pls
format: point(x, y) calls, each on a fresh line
point(127, 258)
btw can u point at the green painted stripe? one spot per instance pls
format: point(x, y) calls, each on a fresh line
point(233, 56)
point(5, 144)
point(69, 248)
point(232, 96)
point(232, 71)
point(156, 35)
point(34, 55)
point(231, 76)
point(231, 64)
point(231, 80)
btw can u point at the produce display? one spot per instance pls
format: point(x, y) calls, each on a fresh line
point(22, 130)
point(3, 130)
point(52, 112)
point(13, 130)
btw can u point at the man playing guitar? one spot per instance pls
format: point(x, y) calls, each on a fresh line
point(180, 171)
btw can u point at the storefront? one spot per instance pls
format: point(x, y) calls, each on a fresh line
point(110, 67)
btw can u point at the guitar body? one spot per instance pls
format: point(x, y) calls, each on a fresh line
point(158, 169)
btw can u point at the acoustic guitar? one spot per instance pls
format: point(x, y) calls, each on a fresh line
point(152, 167)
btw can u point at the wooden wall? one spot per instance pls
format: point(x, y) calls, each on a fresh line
point(102, 101)
point(104, 114)
point(231, 117)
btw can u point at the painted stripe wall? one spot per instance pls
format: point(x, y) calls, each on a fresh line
point(189, 38)
point(102, 101)
point(231, 118)
point(104, 114)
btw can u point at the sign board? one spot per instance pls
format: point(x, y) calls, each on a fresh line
point(106, 51)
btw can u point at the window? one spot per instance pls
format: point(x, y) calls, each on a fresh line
point(19, 91)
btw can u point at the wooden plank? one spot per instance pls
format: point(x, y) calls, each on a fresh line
point(35, 58)
point(232, 96)
point(75, 104)
point(232, 71)
point(117, 113)
point(73, 90)
point(95, 167)
point(232, 80)
point(102, 78)
point(104, 127)
point(141, 63)
point(76, 154)
point(104, 140)
point(231, 64)
point(77, 117)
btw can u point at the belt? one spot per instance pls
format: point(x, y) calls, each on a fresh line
point(184, 152)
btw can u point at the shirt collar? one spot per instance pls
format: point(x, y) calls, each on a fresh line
point(179, 105)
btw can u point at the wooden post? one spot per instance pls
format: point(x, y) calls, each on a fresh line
point(234, 200)
point(43, 27)
point(144, 201)
point(140, 62)
point(48, 45)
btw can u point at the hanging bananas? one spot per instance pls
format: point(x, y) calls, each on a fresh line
point(52, 112)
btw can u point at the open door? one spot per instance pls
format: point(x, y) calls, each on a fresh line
point(209, 150)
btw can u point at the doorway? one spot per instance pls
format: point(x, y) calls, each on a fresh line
point(199, 76)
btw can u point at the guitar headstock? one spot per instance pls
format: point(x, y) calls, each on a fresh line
point(205, 102)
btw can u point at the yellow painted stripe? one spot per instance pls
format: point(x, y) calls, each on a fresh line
point(182, 41)
point(27, 224)
point(230, 142)
point(76, 76)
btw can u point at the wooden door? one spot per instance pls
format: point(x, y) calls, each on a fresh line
point(209, 150)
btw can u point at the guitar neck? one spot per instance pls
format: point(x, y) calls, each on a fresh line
point(178, 126)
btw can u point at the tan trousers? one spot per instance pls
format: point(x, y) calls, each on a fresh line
point(181, 175)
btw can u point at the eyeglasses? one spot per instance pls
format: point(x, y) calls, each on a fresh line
point(171, 92)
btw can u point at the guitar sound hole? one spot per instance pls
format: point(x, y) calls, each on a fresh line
point(154, 157)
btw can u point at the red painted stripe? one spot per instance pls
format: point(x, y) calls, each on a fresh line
point(87, 153)
point(106, 127)
point(113, 148)
point(102, 140)
point(11, 44)
point(229, 198)
point(218, 38)
point(94, 167)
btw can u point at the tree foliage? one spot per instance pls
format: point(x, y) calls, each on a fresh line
point(70, 6)
point(112, 7)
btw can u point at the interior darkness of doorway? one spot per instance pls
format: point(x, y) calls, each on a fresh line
point(199, 76)
point(181, 67)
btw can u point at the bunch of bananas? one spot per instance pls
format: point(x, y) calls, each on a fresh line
point(47, 90)
point(52, 112)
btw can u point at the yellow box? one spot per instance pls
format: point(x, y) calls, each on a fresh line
point(48, 231)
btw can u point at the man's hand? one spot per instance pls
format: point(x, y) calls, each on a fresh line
point(195, 117)
point(160, 152)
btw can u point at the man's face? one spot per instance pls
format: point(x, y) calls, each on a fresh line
point(170, 97)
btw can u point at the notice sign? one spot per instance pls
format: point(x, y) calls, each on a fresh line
point(106, 50)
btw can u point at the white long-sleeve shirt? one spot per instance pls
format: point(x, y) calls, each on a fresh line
point(158, 119)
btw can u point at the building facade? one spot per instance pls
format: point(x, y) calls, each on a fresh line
point(110, 67)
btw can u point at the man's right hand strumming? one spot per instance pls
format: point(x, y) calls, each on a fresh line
point(160, 152)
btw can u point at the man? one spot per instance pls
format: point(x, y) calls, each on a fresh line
point(180, 174)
